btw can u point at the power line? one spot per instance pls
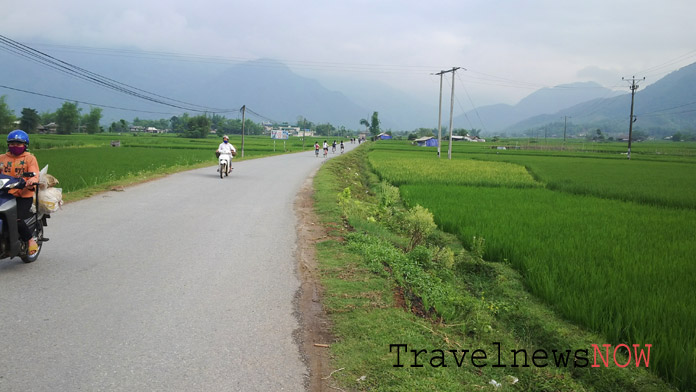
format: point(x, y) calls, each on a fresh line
point(660, 111)
point(473, 106)
point(62, 66)
point(304, 64)
point(82, 102)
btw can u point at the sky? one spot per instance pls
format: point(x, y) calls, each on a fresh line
point(506, 49)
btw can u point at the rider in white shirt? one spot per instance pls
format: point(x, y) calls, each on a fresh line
point(226, 147)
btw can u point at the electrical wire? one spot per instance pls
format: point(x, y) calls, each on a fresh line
point(82, 102)
point(61, 66)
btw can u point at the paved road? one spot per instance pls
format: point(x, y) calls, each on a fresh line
point(180, 284)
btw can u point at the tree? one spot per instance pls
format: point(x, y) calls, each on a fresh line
point(7, 116)
point(178, 124)
point(325, 130)
point(374, 124)
point(30, 120)
point(366, 124)
point(47, 117)
point(197, 127)
point(118, 127)
point(91, 120)
point(460, 132)
point(67, 118)
point(421, 132)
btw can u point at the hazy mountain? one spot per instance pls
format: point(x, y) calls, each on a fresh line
point(267, 87)
point(662, 108)
point(494, 118)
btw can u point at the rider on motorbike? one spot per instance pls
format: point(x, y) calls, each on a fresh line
point(16, 162)
point(226, 147)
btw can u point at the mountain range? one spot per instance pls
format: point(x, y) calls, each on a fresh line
point(660, 109)
point(275, 93)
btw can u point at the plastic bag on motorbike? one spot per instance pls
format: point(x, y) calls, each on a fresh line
point(50, 200)
point(46, 180)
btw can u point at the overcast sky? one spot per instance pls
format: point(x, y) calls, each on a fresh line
point(509, 48)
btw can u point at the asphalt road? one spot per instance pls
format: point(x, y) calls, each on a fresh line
point(181, 284)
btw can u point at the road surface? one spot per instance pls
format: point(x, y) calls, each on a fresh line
point(180, 284)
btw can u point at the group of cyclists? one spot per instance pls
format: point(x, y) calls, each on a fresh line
point(326, 148)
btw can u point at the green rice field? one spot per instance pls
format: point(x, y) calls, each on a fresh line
point(609, 243)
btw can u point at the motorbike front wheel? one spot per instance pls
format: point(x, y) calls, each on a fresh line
point(32, 258)
point(223, 168)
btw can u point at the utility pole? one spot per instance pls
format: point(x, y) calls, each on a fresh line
point(565, 125)
point(439, 118)
point(633, 88)
point(449, 150)
point(243, 109)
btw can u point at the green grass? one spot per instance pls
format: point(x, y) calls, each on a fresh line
point(669, 184)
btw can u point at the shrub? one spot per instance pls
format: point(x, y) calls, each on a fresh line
point(418, 223)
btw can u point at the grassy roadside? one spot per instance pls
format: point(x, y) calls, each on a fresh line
point(131, 179)
point(390, 280)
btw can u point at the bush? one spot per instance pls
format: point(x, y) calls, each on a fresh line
point(418, 223)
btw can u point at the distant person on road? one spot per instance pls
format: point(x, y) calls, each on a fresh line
point(333, 147)
point(226, 148)
point(342, 147)
point(326, 148)
point(15, 163)
point(316, 149)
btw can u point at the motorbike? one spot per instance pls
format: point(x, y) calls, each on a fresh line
point(10, 243)
point(225, 161)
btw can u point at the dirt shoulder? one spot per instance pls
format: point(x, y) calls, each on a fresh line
point(314, 335)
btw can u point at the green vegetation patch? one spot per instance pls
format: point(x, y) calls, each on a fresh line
point(399, 168)
point(668, 184)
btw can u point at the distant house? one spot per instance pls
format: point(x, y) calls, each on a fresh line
point(48, 128)
point(427, 141)
point(384, 136)
point(155, 130)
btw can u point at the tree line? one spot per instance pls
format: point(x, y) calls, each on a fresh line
point(70, 119)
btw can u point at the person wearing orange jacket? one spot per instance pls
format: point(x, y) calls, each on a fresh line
point(15, 163)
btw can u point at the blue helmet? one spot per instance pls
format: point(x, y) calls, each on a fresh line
point(18, 136)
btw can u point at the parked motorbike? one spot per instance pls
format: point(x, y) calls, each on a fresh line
point(10, 243)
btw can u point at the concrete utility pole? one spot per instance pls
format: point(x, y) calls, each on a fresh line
point(243, 109)
point(449, 150)
point(439, 119)
point(633, 88)
point(565, 125)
